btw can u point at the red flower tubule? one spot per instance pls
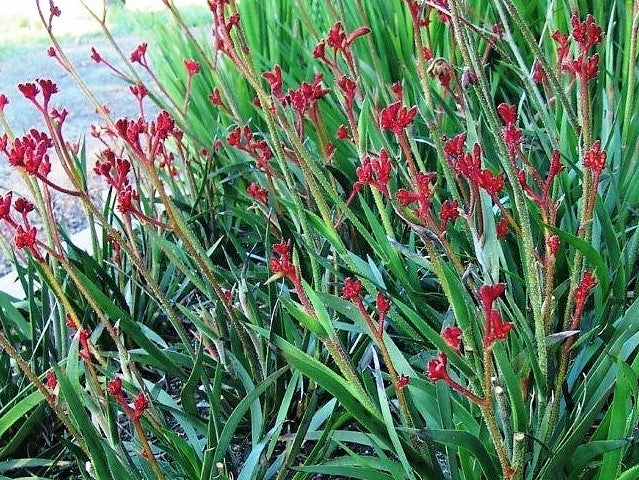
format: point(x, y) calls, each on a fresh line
point(397, 117)
point(436, 368)
point(595, 158)
point(258, 193)
point(283, 265)
point(452, 337)
point(449, 212)
point(192, 67)
point(351, 289)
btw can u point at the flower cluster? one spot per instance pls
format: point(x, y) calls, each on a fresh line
point(242, 139)
point(511, 134)
point(25, 235)
point(422, 195)
point(140, 402)
point(116, 171)
point(586, 284)
point(30, 91)
point(340, 42)
point(282, 264)
point(397, 117)
point(437, 369)
point(352, 291)
point(595, 158)
point(494, 327)
point(30, 153)
point(375, 171)
point(543, 198)
point(223, 25)
point(585, 34)
point(258, 193)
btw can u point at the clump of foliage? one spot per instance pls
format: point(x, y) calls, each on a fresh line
point(378, 240)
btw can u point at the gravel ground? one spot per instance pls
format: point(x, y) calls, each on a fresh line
point(34, 63)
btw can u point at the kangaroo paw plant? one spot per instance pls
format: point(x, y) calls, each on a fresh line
point(362, 239)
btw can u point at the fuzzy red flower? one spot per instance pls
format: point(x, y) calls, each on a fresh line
point(502, 228)
point(140, 404)
point(29, 90)
point(274, 79)
point(139, 54)
point(5, 206)
point(352, 288)
point(349, 88)
point(402, 382)
point(95, 56)
point(23, 206)
point(455, 147)
point(449, 212)
point(490, 182)
point(436, 368)
point(48, 89)
point(586, 33)
point(192, 67)
point(586, 284)
point(25, 238)
point(114, 387)
point(383, 306)
point(4, 101)
point(489, 293)
point(258, 193)
point(452, 337)
point(139, 91)
point(51, 381)
point(595, 158)
point(283, 265)
point(342, 132)
point(215, 98)
point(508, 113)
point(494, 327)
point(553, 244)
point(497, 330)
point(397, 117)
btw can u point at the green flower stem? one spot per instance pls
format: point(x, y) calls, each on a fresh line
point(588, 200)
point(629, 67)
point(146, 450)
point(346, 367)
point(489, 416)
point(51, 399)
point(519, 444)
point(378, 336)
point(467, 330)
point(412, 169)
point(251, 77)
point(549, 71)
point(383, 213)
point(200, 257)
point(431, 123)
point(529, 260)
